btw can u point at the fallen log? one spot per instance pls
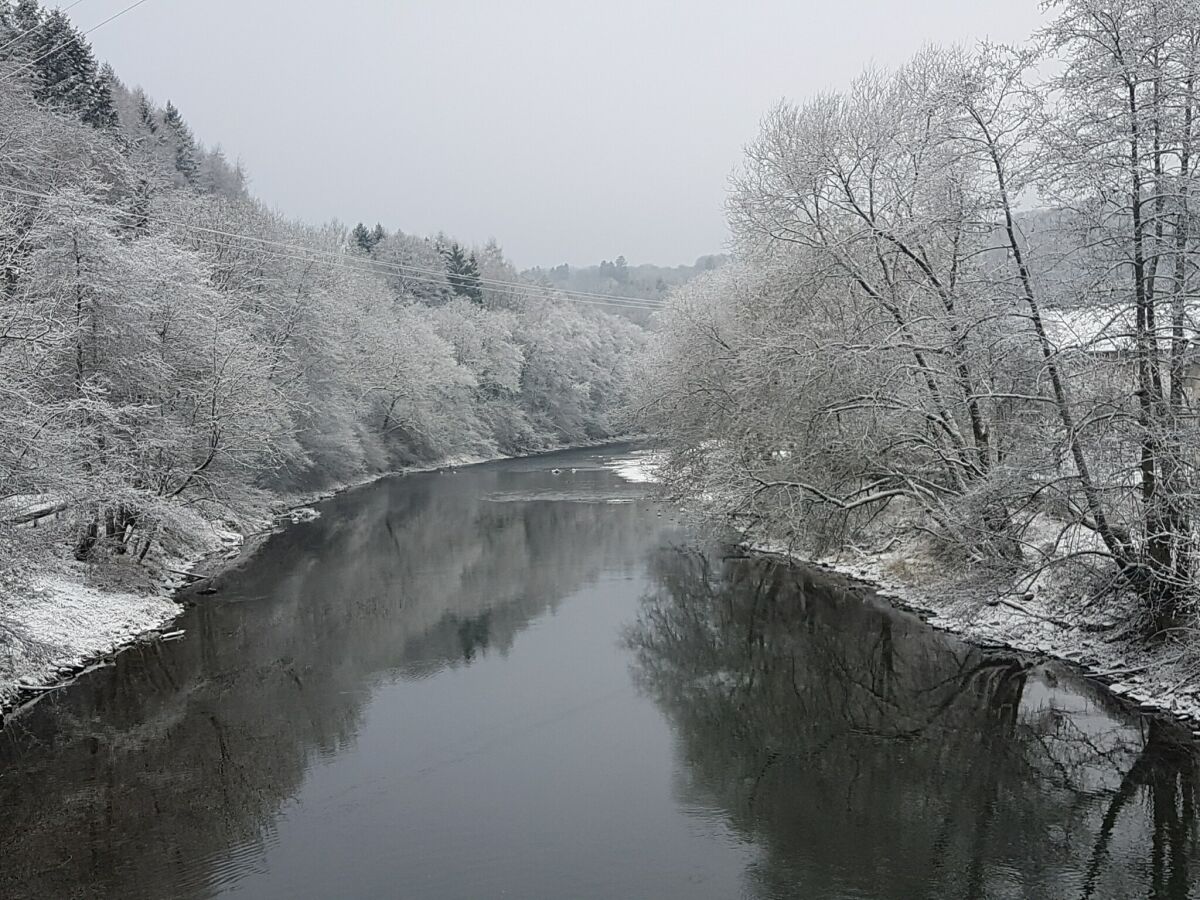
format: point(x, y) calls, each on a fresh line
point(192, 575)
point(25, 516)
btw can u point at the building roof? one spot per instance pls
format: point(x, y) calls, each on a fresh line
point(1110, 330)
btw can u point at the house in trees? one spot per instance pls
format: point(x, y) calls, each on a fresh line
point(1107, 335)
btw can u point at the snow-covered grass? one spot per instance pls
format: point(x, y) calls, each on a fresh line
point(61, 623)
point(68, 614)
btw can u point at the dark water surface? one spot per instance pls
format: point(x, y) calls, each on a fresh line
point(507, 682)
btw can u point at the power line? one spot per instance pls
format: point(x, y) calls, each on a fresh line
point(59, 46)
point(366, 264)
point(495, 284)
point(516, 292)
point(403, 268)
point(551, 292)
point(29, 31)
point(335, 259)
point(305, 254)
point(372, 264)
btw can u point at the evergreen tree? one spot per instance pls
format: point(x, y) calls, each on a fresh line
point(26, 16)
point(147, 118)
point(101, 112)
point(8, 25)
point(463, 273)
point(65, 72)
point(186, 163)
point(367, 239)
point(621, 270)
point(59, 63)
point(360, 237)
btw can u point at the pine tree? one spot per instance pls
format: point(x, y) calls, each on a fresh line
point(147, 118)
point(463, 273)
point(361, 237)
point(367, 239)
point(26, 16)
point(65, 73)
point(8, 24)
point(100, 111)
point(186, 163)
point(58, 61)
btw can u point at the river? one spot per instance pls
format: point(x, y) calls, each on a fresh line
point(524, 679)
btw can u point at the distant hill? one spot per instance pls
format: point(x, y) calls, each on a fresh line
point(645, 282)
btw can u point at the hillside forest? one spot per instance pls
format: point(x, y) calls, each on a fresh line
point(174, 353)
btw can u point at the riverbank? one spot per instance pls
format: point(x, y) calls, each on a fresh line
point(75, 616)
point(1158, 677)
point(1040, 616)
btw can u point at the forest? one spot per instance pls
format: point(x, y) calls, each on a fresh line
point(174, 353)
point(642, 281)
point(961, 322)
point(857, 558)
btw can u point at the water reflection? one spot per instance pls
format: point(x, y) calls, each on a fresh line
point(420, 695)
point(868, 756)
point(137, 782)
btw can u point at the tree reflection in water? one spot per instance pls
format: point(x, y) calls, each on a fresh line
point(163, 775)
point(865, 754)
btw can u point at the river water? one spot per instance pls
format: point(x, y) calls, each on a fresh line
point(511, 681)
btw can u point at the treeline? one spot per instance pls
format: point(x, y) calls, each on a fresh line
point(642, 282)
point(167, 343)
point(900, 352)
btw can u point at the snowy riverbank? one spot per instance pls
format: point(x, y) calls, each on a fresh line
point(72, 615)
point(75, 615)
point(638, 466)
point(1158, 677)
point(988, 612)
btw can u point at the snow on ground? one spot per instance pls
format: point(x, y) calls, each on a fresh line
point(61, 623)
point(67, 623)
point(71, 614)
point(638, 467)
point(465, 459)
point(65, 620)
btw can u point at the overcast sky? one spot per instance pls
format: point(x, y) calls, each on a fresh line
point(570, 130)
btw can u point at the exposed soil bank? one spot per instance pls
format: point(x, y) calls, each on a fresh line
point(78, 616)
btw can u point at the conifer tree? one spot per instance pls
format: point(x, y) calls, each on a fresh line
point(7, 21)
point(26, 16)
point(185, 144)
point(463, 273)
point(60, 63)
point(100, 111)
point(147, 118)
point(360, 237)
point(64, 71)
point(367, 239)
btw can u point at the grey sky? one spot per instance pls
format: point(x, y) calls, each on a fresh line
point(569, 130)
